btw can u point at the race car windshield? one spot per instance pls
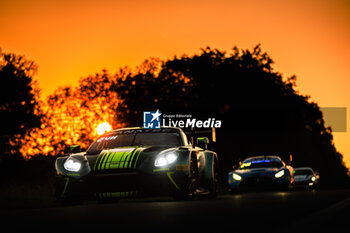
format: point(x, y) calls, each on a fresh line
point(266, 163)
point(109, 142)
point(303, 172)
point(134, 139)
point(157, 139)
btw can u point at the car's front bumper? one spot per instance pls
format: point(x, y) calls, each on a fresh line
point(122, 184)
point(307, 184)
point(257, 182)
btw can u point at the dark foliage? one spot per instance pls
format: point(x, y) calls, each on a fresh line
point(18, 102)
point(39, 170)
point(261, 112)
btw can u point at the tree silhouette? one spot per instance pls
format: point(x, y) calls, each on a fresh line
point(150, 87)
point(19, 108)
point(262, 113)
point(71, 116)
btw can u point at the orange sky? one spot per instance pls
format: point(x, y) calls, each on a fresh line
point(70, 39)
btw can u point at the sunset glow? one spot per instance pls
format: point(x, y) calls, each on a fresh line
point(73, 39)
point(72, 118)
point(103, 128)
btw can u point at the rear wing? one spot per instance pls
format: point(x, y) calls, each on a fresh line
point(197, 135)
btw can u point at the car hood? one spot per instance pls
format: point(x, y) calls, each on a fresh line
point(300, 178)
point(256, 171)
point(123, 157)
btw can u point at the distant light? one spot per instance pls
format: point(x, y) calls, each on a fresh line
point(236, 177)
point(279, 174)
point(103, 128)
point(313, 178)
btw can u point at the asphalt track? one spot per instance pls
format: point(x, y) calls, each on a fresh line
point(296, 211)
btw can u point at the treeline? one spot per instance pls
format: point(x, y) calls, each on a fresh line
point(261, 111)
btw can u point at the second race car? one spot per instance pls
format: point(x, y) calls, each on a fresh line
point(306, 178)
point(261, 172)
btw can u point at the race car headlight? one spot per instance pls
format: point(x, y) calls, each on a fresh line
point(279, 174)
point(236, 177)
point(165, 159)
point(72, 165)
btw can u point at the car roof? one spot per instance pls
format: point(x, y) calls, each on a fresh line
point(261, 157)
point(145, 130)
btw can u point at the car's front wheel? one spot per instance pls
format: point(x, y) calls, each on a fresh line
point(214, 187)
point(190, 191)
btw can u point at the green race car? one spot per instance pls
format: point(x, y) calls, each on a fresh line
point(133, 162)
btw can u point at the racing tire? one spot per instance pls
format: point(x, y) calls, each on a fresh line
point(190, 192)
point(214, 189)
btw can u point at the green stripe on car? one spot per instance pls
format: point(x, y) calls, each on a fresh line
point(117, 158)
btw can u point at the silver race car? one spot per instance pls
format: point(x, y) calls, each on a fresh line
point(306, 177)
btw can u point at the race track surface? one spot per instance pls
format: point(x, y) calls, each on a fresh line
point(296, 211)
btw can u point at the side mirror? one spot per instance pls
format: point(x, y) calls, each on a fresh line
point(203, 140)
point(75, 149)
point(72, 149)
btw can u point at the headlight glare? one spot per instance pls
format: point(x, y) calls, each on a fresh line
point(160, 162)
point(165, 159)
point(236, 177)
point(279, 174)
point(72, 165)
